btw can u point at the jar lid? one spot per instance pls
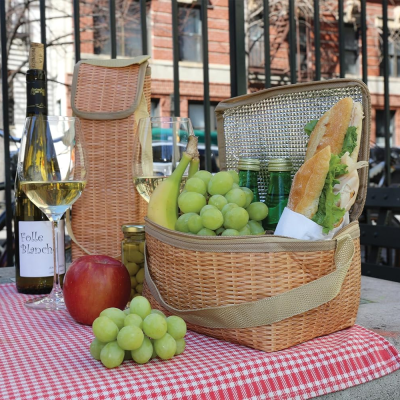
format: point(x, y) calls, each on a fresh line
point(133, 228)
point(250, 164)
point(280, 164)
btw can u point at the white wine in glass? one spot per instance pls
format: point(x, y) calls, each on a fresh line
point(158, 147)
point(52, 170)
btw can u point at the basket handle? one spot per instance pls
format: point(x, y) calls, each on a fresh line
point(271, 309)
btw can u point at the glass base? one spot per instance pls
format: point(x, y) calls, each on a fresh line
point(53, 302)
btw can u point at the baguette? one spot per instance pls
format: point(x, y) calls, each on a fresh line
point(326, 185)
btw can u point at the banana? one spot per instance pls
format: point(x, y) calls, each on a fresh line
point(163, 204)
point(194, 166)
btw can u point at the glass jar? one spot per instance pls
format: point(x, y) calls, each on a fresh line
point(278, 191)
point(133, 255)
point(248, 175)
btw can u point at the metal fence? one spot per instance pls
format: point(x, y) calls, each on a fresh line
point(237, 64)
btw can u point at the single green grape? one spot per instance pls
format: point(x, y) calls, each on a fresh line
point(230, 232)
point(155, 326)
point(206, 207)
point(155, 311)
point(249, 196)
point(130, 337)
point(245, 231)
point(165, 347)
point(133, 281)
point(191, 202)
point(206, 232)
point(144, 353)
point(181, 224)
point(212, 218)
point(220, 183)
point(237, 196)
point(112, 355)
point(205, 176)
point(176, 327)
point(196, 185)
point(133, 319)
point(234, 175)
point(140, 276)
point(228, 207)
point(218, 201)
point(140, 306)
point(236, 218)
point(180, 346)
point(95, 348)
point(256, 228)
point(115, 314)
point(105, 329)
point(257, 211)
point(219, 230)
point(195, 224)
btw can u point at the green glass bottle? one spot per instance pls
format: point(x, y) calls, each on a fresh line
point(278, 191)
point(248, 175)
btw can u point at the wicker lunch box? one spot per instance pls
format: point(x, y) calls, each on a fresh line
point(265, 292)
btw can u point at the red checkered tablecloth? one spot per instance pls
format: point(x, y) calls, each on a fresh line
point(45, 355)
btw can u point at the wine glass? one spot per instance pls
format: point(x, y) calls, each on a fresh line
point(158, 146)
point(52, 172)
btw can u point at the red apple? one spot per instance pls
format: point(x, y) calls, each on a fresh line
point(94, 283)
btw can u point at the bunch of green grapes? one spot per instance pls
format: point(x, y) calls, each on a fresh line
point(133, 259)
point(214, 205)
point(138, 333)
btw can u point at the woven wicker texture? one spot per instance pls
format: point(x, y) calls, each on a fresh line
point(110, 198)
point(273, 127)
point(189, 280)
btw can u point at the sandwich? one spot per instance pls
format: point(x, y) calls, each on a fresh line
point(326, 185)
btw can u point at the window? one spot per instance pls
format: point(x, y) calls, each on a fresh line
point(380, 127)
point(190, 47)
point(394, 58)
point(256, 45)
point(303, 31)
point(351, 50)
point(196, 115)
point(129, 36)
point(155, 108)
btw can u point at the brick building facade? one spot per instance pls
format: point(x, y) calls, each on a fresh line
point(159, 21)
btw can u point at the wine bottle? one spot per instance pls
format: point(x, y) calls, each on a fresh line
point(34, 268)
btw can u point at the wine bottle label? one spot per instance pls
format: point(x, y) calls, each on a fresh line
point(36, 98)
point(36, 249)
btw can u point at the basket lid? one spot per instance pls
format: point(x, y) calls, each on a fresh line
point(95, 83)
point(270, 124)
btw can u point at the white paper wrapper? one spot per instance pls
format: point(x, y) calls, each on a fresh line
point(297, 226)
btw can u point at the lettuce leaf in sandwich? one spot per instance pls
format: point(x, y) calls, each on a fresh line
point(328, 214)
point(350, 141)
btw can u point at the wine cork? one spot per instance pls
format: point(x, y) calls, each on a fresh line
point(36, 56)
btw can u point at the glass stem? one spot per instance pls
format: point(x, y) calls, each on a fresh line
point(56, 281)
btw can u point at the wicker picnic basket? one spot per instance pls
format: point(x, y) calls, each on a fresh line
point(266, 292)
point(109, 97)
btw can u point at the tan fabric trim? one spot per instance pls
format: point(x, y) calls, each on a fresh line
point(272, 309)
point(248, 244)
point(143, 71)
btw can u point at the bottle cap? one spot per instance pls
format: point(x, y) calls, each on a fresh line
point(280, 165)
point(249, 164)
point(133, 228)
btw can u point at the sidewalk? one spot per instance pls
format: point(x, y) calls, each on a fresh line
point(379, 311)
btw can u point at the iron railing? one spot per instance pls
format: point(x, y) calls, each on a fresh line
point(237, 64)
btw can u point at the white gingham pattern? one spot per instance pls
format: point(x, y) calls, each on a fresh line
point(45, 355)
